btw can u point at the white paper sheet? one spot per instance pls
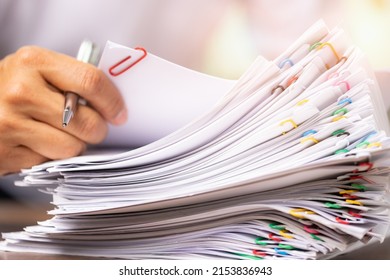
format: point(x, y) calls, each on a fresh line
point(160, 96)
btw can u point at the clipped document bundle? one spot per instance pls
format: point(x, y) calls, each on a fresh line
point(291, 161)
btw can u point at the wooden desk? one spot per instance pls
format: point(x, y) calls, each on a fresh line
point(14, 216)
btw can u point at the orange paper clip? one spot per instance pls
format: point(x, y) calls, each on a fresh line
point(333, 51)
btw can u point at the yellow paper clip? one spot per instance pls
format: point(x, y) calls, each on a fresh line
point(300, 103)
point(356, 202)
point(374, 144)
point(335, 119)
point(283, 233)
point(288, 121)
point(315, 141)
point(347, 191)
point(295, 212)
point(333, 50)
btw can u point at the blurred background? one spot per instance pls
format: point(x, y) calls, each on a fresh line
point(250, 28)
point(218, 37)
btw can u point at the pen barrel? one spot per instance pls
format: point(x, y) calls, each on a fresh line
point(71, 101)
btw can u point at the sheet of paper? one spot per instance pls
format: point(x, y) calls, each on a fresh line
point(160, 96)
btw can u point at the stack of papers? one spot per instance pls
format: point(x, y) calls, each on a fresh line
point(292, 162)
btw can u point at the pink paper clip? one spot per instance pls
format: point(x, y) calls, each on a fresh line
point(343, 82)
point(112, 69)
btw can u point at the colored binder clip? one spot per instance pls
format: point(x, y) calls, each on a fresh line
point(115, 69)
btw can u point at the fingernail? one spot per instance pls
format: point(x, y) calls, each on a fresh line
point(121, 118)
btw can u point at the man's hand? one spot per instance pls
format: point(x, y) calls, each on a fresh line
point(32, 82)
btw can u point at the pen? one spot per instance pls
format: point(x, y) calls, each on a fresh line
point(88, 53)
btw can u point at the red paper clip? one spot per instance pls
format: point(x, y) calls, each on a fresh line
point(359, 177)
point(274, 238)
point(348, 196)
point(369, 165)
point(111, 70)
point(354, 214)
point(341, 221)
point(259, 253)
point(310, 230)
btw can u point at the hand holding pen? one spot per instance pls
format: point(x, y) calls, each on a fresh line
point(88, 53)
point(32, 82)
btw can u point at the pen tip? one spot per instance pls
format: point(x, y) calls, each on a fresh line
point(68, 114)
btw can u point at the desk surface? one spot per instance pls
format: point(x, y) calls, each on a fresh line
point(14, 216)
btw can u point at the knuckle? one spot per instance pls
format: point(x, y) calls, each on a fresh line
point(18, 93)
point(93, 129)
point(19, 157)
point(92, 80)
point(73, 150)
point(7, 126)
point(29, 55)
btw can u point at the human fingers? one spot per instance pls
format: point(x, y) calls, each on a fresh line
point(67, 74)
point(43, 139)
point(16, 158)
point(44, 104)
